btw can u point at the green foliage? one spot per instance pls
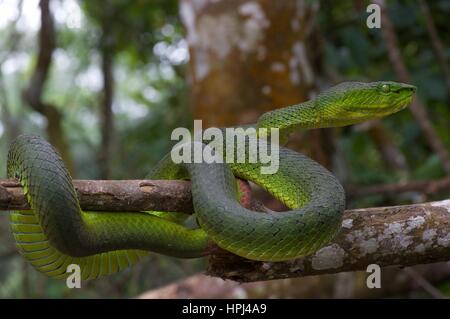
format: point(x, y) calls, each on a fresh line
point(356, 52)
point(150, 100)
point(133, 26)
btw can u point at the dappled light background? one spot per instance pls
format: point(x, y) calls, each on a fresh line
point(123, 75)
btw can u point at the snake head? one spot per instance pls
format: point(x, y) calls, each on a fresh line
point(355, 102)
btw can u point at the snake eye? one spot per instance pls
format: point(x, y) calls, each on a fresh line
point(385, 88)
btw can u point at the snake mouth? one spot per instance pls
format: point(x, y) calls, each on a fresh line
point(403, 103)
point(406, 88)
point(399, 104)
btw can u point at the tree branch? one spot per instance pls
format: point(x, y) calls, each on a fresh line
point(425, 284)
point(343, 285)
point(425, 187)
point(167, 195)
point(126, 195)
point(436, 42)
point(387, 236)
point(390, 152)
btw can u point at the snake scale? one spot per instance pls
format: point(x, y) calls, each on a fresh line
point(56, 232)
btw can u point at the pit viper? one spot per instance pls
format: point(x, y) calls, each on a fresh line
point(56, 232)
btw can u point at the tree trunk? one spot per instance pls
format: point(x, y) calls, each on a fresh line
point(107, 96)
point(33, 93)
point(247, 57)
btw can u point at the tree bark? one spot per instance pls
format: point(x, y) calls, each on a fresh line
point(110, 195)
point(387, 236)
point(240, 65)
point(170, 195)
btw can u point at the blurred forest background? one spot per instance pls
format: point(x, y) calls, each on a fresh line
point(107, 82)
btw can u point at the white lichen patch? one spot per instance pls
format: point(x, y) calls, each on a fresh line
point(369, 231)
point(414, 223)
point(397, 234)
point(404, 241)
point(444, 241)
point(429, 234)
point(428, 237)
point(201, 65)
point(299, 62)
point(347, 223)
point(328, 257)
point(220, 34)
point(394, 228)
point(253, 26)
point(355, 235)
point(391, 230)
point(443, 203)
point(368, 246)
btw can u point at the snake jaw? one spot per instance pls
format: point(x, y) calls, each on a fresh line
point(355, 102)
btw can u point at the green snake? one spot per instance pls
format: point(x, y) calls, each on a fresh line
point(56, 232)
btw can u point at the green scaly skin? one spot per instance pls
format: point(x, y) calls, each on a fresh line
point(56, 232)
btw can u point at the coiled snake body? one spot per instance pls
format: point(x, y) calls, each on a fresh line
point(56, 232)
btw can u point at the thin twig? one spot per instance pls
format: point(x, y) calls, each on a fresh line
point(436, 42)
point(418, 110)
point(424, 284)
point(424, 187)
